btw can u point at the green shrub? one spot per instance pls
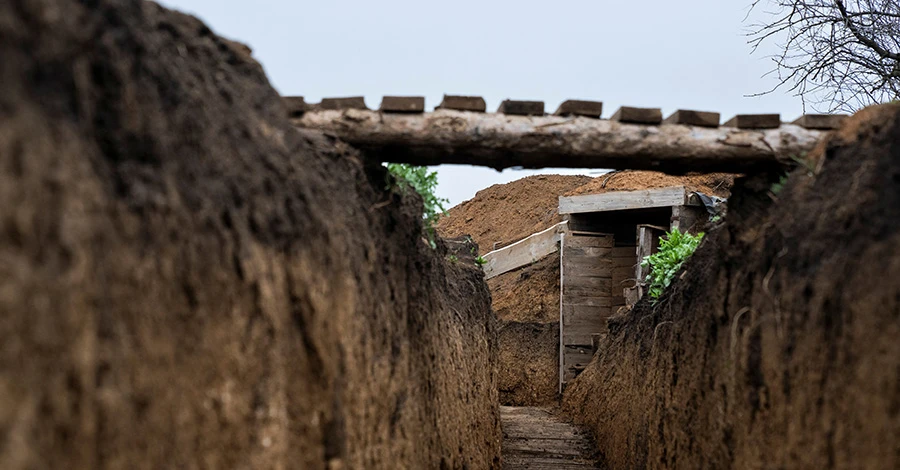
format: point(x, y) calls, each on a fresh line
point(423, 182)
point(674, 249)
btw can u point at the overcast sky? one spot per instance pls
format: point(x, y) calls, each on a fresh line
point(649, 53)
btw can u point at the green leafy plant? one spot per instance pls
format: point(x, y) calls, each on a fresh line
point(425, 183)
point(674, 248)
point(480, 261)
point(779, 185)
point(453, 258)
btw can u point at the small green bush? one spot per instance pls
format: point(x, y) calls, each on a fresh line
point(674, 249)
point(480, 261)
point(425, 183)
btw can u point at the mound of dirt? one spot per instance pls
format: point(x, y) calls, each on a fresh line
point(529, 364)
point(777, 347)
point(505, 213)
point(715, 184)
point(188, 282)
point(529, 294)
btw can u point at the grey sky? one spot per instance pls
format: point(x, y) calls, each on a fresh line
point(655, 53)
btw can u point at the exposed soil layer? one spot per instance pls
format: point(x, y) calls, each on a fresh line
point(529, 364)
point(188, 282)
point(716, 184)
point(528, 294)
point(505, 213)
point(777, 347)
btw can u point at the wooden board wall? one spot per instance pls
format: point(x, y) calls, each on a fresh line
point(586, 278)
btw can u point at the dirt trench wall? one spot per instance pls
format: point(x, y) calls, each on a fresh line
point(188, 282)
point(778, 347)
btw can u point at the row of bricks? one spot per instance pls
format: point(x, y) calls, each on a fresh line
point(593, 109)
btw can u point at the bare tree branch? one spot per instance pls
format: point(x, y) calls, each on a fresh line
point(839, 55)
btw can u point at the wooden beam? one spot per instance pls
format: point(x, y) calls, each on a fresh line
point(523, 252)
point(502, 141)
point(623, 200)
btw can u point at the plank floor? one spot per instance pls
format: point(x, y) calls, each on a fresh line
point(536, 439)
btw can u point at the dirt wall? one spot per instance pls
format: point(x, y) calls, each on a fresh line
point(188, 282)
point(529, 364)
point(777, 347)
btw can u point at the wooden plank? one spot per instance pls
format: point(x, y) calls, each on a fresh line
point(522, 108)
point(523, 252)
point(353, 102)
point(580, 108)
point(564, 249)
point(637, 115)
point(589, 251)
point(593, 286)
point(623, 200)
point(582, 240)
point(582, 315)
point(463, 103)
point(580, 338)
point(624, 252)
point(602, 268)
point(585, 311)
point(694, 118)
point(403, 104)
point(583, 333)
point(755, 121)
point(594, 301)
point(820, 121)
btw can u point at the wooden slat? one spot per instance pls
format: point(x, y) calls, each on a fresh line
point(580, 338)
point(601, 269)
point(623, 200)
point(523, 252)
point(582, 316)
point(624, 252)
point(594, 301)
point(590, 251)
point(536, 438)
point(589, 241)
point(590, 286)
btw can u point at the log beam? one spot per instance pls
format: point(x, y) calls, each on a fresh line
point(503, 141)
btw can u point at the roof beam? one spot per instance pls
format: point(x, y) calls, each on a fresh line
point(503, 141)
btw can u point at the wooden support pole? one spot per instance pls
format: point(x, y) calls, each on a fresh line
point(502, 141)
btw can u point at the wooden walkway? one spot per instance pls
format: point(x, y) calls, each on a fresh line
point(535, 438)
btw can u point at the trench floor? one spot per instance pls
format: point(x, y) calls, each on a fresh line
point(536, 439)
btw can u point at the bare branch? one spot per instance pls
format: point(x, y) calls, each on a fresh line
point(843, 54)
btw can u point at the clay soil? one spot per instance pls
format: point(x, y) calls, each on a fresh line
point(715, 184)
point(186, 281)
point(505, 213)
point(777, 345)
